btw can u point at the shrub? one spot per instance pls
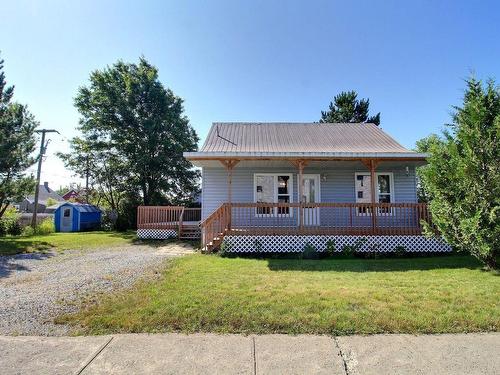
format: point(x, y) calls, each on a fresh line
point(330, 248)
point(9, 223)
point(309, 252)
point(46, 226)
point(225, 250)
point(350, 250)
point(28, 231)
point(15, 229)
point(400, 251)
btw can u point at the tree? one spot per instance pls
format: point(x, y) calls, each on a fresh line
point(133, 134)
point(17, 143)
point(463, 175)
point(104, 169)
point(424, 145)
point(347, 108)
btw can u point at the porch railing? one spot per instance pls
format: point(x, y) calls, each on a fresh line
point(214, 227)
point(167, 217)
point(315, 218)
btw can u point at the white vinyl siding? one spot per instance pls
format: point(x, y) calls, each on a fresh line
point(337, 183)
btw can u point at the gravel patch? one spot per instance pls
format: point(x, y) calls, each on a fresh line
point(35, 288)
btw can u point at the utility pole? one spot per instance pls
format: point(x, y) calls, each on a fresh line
point(87, 180)
point(43, 148)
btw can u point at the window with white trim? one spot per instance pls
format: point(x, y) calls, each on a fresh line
point(384, 190)
point(273, 188)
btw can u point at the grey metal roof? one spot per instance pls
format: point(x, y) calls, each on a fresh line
point(300, 139)
point(44, 193)
point(82, 207)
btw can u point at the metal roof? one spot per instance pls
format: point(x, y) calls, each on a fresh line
point(300, 140)
point(82, 207)
point(44, 193)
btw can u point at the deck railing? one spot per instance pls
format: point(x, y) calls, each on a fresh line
point(166, 217)
point(315, 218)
point(214, 227)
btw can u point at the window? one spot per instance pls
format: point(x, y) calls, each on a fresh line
point(384, 191)
point(273, 188)
point(67, 212)
point(264, 192)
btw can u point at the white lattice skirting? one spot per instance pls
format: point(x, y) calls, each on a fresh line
point(156, 234)
point(284, 244)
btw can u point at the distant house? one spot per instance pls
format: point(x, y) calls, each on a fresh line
point(71, 195)
point(76, 195)
point(45, 193)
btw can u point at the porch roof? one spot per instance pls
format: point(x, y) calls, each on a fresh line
point(315, 141)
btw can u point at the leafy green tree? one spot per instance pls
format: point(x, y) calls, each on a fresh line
point(106, 171)
point(17, 143)
point(462, 178)
point(347, 108)
point(133, 134)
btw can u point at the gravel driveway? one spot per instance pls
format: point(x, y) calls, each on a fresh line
point(35, 288)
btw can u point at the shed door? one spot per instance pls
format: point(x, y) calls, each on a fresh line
point(67, 219)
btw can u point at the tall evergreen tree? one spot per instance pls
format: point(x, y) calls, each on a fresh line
point(17, 143)
point(462, 178)
point(347, 108)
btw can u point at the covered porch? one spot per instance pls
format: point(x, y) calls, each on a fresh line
point(314, 219)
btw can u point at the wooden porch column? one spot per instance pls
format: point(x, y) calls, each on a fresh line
point(300, 165)
point(371, 164)
point(229, 165)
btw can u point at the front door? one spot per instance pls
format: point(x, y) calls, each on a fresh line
point(310, 191)
point(66, 219)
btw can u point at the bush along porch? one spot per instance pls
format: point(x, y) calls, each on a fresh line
point(279, 187)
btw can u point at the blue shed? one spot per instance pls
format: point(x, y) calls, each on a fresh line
point(76, 217)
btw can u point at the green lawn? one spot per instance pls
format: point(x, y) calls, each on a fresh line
point(63, 241)
point(331, 296)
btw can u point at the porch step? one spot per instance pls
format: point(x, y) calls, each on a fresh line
point(214, 245)
point(190, 232)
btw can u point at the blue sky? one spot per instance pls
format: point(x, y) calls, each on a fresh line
point(255, 60)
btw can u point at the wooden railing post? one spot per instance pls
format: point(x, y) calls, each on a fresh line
point(181, 216)
point(300, 165)
point(371, 164)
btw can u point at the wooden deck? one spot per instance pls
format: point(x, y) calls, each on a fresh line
point(185, 221)
point(286, 219)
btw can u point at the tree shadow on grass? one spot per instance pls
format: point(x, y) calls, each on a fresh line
point(19, 245)
point(375, 265)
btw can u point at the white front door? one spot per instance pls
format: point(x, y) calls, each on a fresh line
point(311, 194)
point(66, 219)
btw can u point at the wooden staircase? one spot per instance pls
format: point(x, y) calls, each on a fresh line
point(189, 232)
point(215, 243)
point(215, 227)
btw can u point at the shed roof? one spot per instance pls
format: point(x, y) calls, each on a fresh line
point(82, 207)
point(300, 140)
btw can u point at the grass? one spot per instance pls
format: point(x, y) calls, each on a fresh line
point(63, 241)
point(201, 293)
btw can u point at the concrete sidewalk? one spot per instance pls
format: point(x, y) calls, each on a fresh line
point(267, 354)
